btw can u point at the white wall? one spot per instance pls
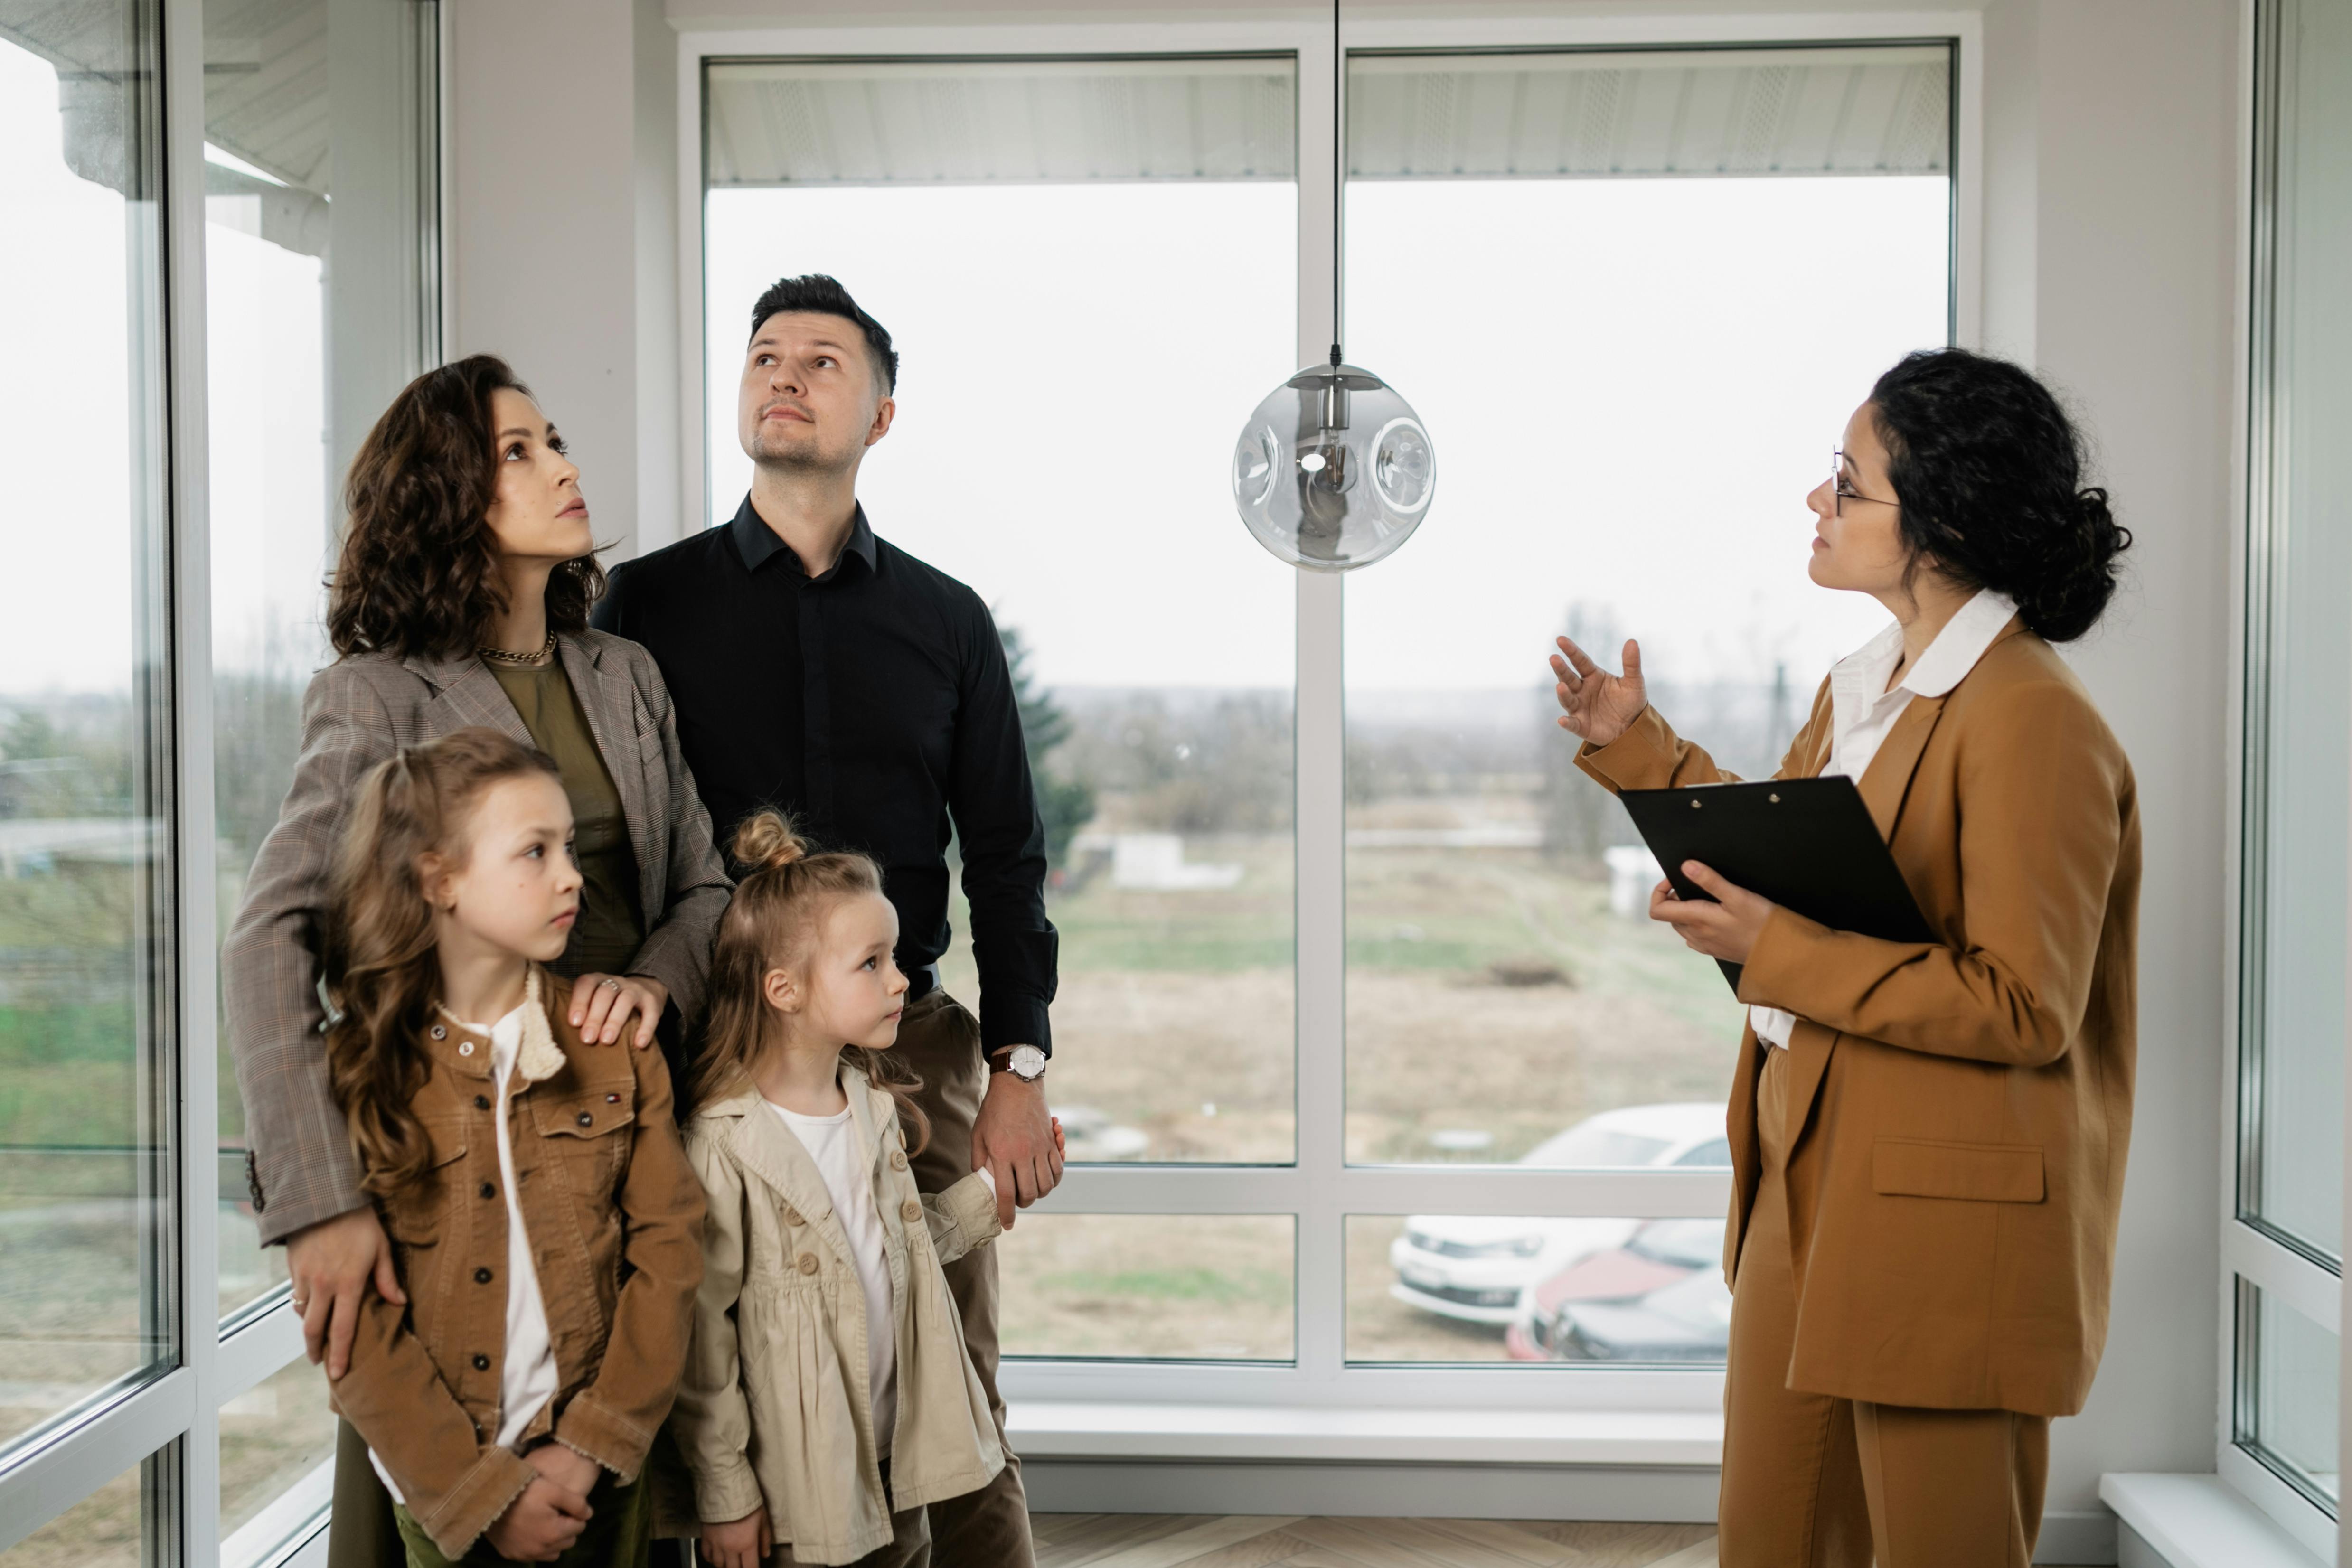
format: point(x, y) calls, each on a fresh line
point(563, 246)
point(2109, 264)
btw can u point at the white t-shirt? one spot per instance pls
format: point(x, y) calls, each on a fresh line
point(840, 1158)
point(526, 1380)
point(1863, 712)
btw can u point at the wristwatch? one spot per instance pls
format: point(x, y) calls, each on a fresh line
point(1025, 1063)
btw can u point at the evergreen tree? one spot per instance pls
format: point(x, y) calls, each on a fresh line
point(1065, 804)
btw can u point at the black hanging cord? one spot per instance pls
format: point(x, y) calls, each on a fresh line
point(1339, 174)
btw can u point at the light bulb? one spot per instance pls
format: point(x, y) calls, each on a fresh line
point(1334, 470)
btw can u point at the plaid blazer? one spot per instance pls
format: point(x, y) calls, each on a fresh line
point(357, 713)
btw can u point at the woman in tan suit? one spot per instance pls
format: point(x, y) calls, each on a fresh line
point(460, 598)
point(1928, 1138)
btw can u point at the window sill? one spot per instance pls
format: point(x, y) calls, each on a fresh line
point(1066, 1430)
point(2200, 1522)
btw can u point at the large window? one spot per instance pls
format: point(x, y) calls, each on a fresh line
point(1635, 296)
point(222, 244)
point(86, 931)
point(2287, 1243)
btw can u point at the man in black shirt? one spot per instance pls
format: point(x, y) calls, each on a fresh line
point(819, 669)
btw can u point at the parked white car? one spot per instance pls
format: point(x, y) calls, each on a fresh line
point(1474, 1267)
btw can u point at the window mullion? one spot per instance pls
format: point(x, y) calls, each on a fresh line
point(195, 1494)
point(1321, 816)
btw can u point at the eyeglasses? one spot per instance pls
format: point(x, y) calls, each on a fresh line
point(1841, 491)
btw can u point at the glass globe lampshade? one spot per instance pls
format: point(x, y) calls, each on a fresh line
point(1334, 470)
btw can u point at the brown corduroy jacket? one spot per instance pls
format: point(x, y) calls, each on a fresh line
point(1959, 1111)
point(613, 1214)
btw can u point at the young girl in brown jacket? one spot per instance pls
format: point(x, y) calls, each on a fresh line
point(828, 1398)
point(546, 1226)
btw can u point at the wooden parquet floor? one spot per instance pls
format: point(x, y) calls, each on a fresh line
point(1235, 1540)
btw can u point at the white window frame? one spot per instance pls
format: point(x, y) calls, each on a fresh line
point(1321, 1407)
point(2290, 1275)
point(171, 1412)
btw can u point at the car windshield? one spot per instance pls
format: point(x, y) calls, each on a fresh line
point(1693, 1243)
point(1592, 1145)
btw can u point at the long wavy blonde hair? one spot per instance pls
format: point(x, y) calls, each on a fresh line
point(772, 924)
point(377, 951)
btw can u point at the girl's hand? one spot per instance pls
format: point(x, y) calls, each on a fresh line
point(567, 1467)
point(537, 1526)
point(1595, 705)
point(743, 1545)
point(1725, 930)
point(603, 1004)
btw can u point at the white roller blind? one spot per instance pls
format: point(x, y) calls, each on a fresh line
point(933, 122)
point(1877, 109)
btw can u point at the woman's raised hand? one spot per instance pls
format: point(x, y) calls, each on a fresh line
point(1595, 705)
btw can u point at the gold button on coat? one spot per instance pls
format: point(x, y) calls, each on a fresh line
point(808, 1262)
point(910, 1211)
point(793, 1217)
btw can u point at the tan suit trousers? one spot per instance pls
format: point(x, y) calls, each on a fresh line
point(940, 1041)
point(1812, 1482)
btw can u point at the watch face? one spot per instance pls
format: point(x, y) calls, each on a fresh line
point(1028, 1062)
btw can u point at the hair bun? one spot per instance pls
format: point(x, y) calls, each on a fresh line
point(766, 842)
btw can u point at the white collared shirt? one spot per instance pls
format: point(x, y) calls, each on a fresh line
point(527, 1378)
point(1863, 712)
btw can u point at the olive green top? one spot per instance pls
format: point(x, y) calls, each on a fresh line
point(611, 927)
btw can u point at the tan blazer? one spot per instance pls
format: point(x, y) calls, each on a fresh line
point(1959, 1112)
point(358, 712)
point(775, 1408)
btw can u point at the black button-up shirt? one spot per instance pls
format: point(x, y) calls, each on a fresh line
point(875, 704)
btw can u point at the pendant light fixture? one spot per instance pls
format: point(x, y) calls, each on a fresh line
point(1334, 470)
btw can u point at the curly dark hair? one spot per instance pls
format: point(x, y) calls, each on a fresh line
point(1987, 470)
point(418, 572)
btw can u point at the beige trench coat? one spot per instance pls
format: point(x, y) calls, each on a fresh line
point(775, 1408)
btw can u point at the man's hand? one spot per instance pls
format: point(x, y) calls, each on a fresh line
point(332, 1264)
point(745, 1544)
point(567, 1467)
point(539, 1525)
point(1014, 1139)
point(1727, 929)
point(603, 1004)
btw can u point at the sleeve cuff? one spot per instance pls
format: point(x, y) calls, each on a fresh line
point(484, 1493)
point(724, 1495)
point(1014, 1020)
point(587, 1428)
point(1641, 759)
point(970, 1209)
point(1769, 977)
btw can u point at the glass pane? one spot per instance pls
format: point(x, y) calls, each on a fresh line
point(1626, 431)
point(122, 1524)
point(1170, 1287)
point(1587, 1292)
point(2287, 1393)
point(319, 311)
point(1160, 714)
point(276, 1461)
point(85, 858)
point(2302, 764)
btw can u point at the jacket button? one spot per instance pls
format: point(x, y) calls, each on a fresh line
point(587, 1119)
point(808, 1262)
point(481, 1363)
point(793, 1217)
point(481, 1276)
point(910, 1211)
point(481, 1101)
point(897, 1160)
point(490, 1191)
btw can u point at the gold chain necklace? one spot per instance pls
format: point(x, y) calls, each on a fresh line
point(500, 656)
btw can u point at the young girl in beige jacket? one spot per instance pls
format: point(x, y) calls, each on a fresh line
point(828, 1398)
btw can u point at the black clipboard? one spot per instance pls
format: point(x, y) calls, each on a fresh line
point(1807, 845)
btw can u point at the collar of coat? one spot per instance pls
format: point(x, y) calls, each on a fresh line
point(761, 1144)
point(538, 1059)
